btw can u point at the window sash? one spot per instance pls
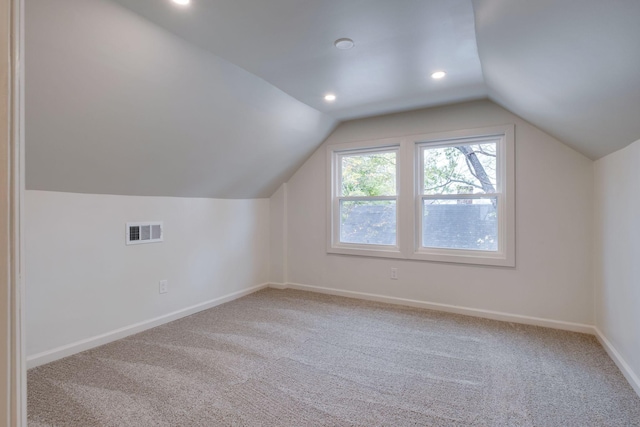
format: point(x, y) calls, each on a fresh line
point(363, 152)
point(339, 201)
point(424, 146)
point(421, 248)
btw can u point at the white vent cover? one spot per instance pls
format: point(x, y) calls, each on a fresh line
point(144, 232)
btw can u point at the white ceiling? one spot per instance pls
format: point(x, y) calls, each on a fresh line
point(570, 67)
point(224, 98)
point(290, 44)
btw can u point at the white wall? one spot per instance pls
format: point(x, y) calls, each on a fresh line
point(617, 284)
point(554, 201)
point(83, 281)
point(278, 240)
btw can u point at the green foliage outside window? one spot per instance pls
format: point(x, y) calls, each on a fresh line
point(369, 175)
point(464, 169)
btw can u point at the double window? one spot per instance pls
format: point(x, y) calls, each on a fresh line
point(446, 197)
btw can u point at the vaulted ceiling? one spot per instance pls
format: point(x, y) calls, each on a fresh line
point(571, 67)
point(225, 98)
point(290, 44)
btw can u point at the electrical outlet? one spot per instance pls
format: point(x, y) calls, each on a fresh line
point(164, 286)
point(394, 273)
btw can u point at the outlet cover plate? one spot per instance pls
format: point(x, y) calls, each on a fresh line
point(164, 286)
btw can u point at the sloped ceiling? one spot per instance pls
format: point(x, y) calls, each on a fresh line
point(224, 98)
point(290, 44)
point(117, 105)
point(570, 67)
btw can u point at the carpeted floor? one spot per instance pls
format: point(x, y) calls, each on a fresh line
point(291, 358)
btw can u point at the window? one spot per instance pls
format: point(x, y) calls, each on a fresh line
point(461, 208)
point(365, 208)
point(368, 197)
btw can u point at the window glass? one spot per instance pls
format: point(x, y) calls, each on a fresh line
point(369, 174)
point(470, 224)
point(460, 169)
point(368, 222)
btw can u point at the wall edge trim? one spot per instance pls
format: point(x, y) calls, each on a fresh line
point(102, 339)
point(467, 311)
point(617, 358)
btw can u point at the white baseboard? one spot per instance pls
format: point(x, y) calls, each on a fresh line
point(486, 314)
point(89, 343)
point(624, 367)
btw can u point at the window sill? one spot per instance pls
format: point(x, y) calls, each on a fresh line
point(479, 258)
point(495, 259)
point(393, 252)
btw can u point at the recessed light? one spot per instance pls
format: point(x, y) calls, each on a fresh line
point(329, 97)
point(344, 44)
point(182, 2)
point(438, 75)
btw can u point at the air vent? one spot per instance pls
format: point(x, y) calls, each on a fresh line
point(144, 232)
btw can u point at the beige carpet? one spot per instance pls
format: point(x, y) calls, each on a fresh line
point(291, 358)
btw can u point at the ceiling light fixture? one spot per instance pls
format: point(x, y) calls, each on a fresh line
point(330, 97)
point(438, 75)
point(182, 2)
point(344, 44)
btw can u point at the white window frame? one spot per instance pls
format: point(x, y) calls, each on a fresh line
point(409, 198)
point(334, 155)
point(505, 195)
